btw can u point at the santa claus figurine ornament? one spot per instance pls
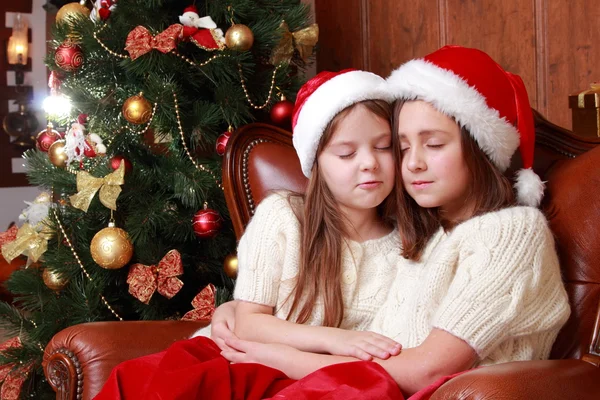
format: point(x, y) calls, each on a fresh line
point(102, 9)
point(203, 32)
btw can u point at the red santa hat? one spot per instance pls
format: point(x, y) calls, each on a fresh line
point(190, 9)
point(491, 103)
point(321, 99)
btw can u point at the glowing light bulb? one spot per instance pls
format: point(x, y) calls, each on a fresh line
point(57, 105)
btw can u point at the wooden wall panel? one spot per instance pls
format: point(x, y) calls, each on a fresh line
point(341, 37)
point(503, 29)
point(398, 31)
point(552, 44)
point(573, 52)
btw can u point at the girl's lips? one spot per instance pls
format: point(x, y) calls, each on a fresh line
point(421, 184)
point(370, 185)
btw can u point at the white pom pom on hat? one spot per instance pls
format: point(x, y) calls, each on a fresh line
point(469, 86)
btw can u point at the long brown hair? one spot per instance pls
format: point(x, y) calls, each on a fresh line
point(323, 231)
point(489, 191)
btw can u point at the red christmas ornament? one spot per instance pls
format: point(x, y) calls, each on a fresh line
point(207, 223)
point(115, 162)
point(281, 112)
point(45, 138)
point(68, 56)
point(222, 141)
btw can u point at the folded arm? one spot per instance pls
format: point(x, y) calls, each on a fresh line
point(413, 369)
point(256, 322)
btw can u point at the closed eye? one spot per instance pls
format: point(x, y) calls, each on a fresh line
point(345, 156)
point(435, 146)
point(384, 148)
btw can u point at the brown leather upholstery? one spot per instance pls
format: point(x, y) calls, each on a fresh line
point(79, 359)
point(573, 208)
point(531, 380)
point(260, 158)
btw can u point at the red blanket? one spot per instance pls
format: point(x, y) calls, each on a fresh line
point(194, 369)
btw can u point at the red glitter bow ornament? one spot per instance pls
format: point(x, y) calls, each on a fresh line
point(8, 236)
point(144, 280)
point(140, 41)
point(204, 305)
point(12, 378)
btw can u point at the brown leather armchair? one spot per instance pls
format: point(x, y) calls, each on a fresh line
point(260, 158)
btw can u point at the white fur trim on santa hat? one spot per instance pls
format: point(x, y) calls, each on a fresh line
point(529, 188)
point(453, 96)
point(326, 102)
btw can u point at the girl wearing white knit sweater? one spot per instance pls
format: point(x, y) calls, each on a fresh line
point(479, 282)
point(314, 268)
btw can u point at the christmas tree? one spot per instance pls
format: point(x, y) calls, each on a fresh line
point(133, 224)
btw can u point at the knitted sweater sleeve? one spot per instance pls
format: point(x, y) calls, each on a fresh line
point(507, 282)
point(272, 232)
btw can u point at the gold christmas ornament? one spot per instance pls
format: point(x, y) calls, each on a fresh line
point(137, 109)
point(53, 280)
point(230, 266)
point(111, 247)
point(42, 198)
point(57, 154)
point(71, 11)
point(239, 37)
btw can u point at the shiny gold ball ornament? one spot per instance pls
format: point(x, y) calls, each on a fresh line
point(57, 154)
point(71, 11)
point(53, 280)
point(230, 266)
point(239, 37)
point(111, 247)
point(137, 109)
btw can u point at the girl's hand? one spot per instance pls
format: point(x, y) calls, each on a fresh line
point(244, 351)
point(223, 323)
point(362, 345)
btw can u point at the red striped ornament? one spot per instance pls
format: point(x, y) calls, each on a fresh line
point(207, 223)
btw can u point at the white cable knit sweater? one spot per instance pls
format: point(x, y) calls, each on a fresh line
point(268, 255)
point(493, 281)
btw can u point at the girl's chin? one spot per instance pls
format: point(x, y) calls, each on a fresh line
point(426, 202)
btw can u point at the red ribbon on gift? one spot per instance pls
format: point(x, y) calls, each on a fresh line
point(204, 305)
point(12, 378)
point(144, 280)
point(140, 41)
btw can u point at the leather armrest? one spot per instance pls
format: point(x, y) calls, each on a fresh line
point(550, 379)
point(79, 359)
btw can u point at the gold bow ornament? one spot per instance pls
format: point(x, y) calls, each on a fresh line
point(88, 185)
point(303, 40)
point(140, 41)
point(144, 280)
point(28, 242)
